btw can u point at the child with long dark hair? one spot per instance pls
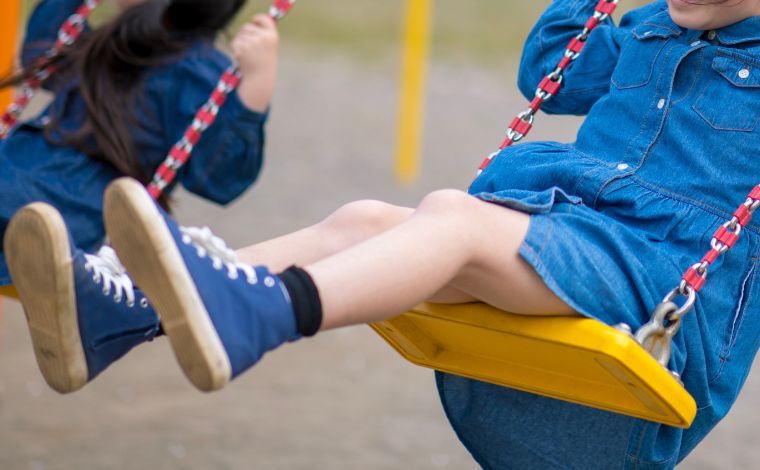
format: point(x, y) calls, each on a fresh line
point(123, 95)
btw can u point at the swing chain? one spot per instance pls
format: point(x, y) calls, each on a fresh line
point(280, 8)
point(180, 153)
point(67, 35)
point(666, 318)
point(551, 84)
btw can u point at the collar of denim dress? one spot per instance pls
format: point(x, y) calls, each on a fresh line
point(662, 25)
point(742, 32)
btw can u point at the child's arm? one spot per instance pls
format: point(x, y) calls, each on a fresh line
point(255, 49)
point(588, 79)
point(229, 156)
point(43, 27)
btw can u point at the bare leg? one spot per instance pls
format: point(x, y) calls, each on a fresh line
point(348, 226)
point(447, 241)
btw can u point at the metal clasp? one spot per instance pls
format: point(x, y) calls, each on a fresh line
point(656, 336)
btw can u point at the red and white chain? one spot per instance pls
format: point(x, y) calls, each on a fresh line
point(550, 85)
point(70, 31)
point(182, 150)
point(180, 153)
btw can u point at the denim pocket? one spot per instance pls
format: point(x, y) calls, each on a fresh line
point(731, 99)
point(733, 327)
point(638, 56)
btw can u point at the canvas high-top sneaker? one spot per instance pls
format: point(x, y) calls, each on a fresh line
point(82, 309)
point(221, 316)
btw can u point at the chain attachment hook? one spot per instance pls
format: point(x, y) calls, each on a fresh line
point(656, 336)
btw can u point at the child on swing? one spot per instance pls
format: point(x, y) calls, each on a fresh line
point(601, 228)
point(123, 95)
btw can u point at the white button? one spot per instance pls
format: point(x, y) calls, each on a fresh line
point(661, 103)
point(711, 35)
point(744, 73)
point(696, 43)
point(623, 166)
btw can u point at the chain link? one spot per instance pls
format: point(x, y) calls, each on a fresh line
point(67, 35)
point(550, 85)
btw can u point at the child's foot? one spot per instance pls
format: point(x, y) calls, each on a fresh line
point(82, 309)
point(221, 316)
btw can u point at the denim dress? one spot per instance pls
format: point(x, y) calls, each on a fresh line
point(224, 164)
point(667, 152)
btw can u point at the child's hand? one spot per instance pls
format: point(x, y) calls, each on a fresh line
point(255, 49)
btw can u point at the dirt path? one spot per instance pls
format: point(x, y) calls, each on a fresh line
point(343, 400)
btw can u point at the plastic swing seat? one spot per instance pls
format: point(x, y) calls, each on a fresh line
point(8, 291)
point(574, 359)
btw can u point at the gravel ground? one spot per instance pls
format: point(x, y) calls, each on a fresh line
point(343, 400)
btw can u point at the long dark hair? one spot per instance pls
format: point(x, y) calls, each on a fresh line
point(110, 62)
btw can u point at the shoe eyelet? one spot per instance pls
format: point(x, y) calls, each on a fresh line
point(96, 278)
point(252, 281)
point(218, 264)
point(131, 304)
point(233, 275)
point(144, 303)
point(186, 239)
point(107, 290)
point(117, 299)
point(269, 281)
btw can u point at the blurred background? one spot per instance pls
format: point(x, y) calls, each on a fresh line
point(343, 400)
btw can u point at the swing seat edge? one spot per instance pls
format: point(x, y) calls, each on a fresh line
point(575, 359)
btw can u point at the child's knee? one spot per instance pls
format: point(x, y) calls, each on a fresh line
point(448, 201)
point(364, 218)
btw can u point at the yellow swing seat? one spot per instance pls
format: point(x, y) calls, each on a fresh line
point(575, 359)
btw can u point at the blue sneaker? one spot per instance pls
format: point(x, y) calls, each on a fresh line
point(220, 315)
point(82, 309)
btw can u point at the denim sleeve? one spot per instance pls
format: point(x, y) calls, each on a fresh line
point(229, 156)
point(42, 30)
point(588, 78)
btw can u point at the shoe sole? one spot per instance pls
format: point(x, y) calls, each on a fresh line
point(39, 259)
point(145, 245)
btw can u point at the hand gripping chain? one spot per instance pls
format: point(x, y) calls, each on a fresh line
point(180, 153)
point(550, 85)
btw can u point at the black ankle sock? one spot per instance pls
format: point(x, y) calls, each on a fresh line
point(307, 306)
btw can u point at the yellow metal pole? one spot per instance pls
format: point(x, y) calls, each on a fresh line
point(413, 89)
point(9, 30)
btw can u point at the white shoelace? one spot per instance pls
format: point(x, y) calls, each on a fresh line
point(108, 270)
point(209, 245)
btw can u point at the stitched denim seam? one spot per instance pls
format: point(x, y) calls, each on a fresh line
point(740, 57)
point(676, 32)
point(696, 78)
point(712, 210)
point(651, 68)
point(590, 157)
point(700, 408)
point(663, 119)
point(725, 353)
point(635, 457)
point(701, 96)
point(645, 121)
